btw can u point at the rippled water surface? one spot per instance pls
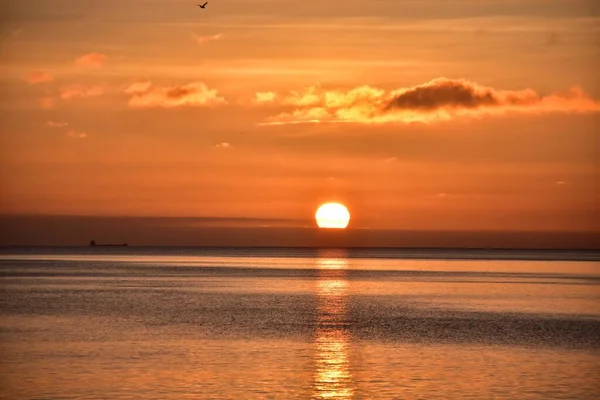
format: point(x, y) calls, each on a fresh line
point(297, 324)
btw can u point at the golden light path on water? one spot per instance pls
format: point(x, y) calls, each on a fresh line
point(333, 378)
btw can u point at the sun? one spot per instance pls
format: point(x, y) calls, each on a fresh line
point(332, 215)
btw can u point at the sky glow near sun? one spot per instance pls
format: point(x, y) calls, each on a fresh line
point(470, 115)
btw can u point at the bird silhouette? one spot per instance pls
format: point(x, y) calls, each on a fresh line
point(203, 5)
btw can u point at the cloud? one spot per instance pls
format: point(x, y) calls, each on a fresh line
point(77, 135)
point(208, 38)
point(91, 60)
point(39, 77)
point(80, 92)
point(138, 87)
point(264, 98)
point(46, 102)
point(308, 97)
point(195, 94)
point(438, 100)
point(223, 145)
point(70, 133)
point(54, 124)
point(456, 94)
point(306, 115)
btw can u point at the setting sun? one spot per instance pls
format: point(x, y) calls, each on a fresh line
point(332, 215)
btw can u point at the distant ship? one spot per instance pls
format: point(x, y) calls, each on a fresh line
point(93, 243)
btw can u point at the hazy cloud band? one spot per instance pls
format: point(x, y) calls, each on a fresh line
point(439, 99)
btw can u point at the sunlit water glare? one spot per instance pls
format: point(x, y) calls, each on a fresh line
point(159, 324)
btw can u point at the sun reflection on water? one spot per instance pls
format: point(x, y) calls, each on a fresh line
point(333, 379)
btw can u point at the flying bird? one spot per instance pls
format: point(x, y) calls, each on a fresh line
point(203, 5)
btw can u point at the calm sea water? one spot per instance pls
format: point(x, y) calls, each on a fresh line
point(146, 323)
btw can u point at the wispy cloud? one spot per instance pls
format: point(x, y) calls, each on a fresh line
point(77, 135)
point(80, 92)
point(137, 87)
point(39, 77)
point(72, 133)
point(5, 37)
point(13, 33)
point(91, 60)
point(46, 102)
point(195, 94)
point(54, 124)
point(438, 100)
point(223, 145)
point(207, 38)
point(440, 23)
point(562, 183)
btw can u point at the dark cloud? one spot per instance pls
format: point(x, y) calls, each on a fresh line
point(443, 93)
point(179, 92)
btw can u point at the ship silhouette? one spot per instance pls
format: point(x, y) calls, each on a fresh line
point(94, 244)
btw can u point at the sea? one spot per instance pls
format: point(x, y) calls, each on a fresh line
point(258, 323)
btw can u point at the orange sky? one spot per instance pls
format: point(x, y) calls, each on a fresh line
point(424, 115)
